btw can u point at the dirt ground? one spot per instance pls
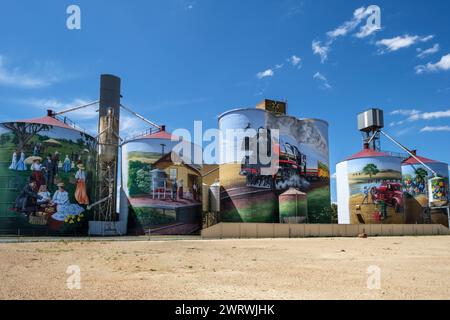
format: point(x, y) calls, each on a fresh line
point(332, 268)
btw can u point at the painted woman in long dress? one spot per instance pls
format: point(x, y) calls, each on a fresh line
point(13, 165)
point(67, 165)
point(36, 172)
point(21, 166)
point(63, 206)
point(80, 193)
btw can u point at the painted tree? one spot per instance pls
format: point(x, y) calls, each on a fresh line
point(421, 175)
point(89, 142)
point(371, 170)
point(23, 132)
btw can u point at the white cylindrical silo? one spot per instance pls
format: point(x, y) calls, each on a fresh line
point(162, 184)
point(300, 147)
point(369, 189)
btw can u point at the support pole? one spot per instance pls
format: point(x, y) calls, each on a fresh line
point(137, 115)
point(108, 144)
point(409, 152)
point(75, 108)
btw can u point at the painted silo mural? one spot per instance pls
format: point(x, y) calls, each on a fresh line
point(47, 170)
point(416, 178)
point(375, 190)
point(302, 161)
point(164, 190)
point(293, 206)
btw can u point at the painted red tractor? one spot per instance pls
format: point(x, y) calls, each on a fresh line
point(389, 192)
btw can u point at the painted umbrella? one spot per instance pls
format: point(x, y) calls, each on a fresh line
point(52, 142)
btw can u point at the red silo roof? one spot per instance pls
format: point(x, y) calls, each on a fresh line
point(367, 153)
point(411, 160)
point(48, 121)
point(159, 135)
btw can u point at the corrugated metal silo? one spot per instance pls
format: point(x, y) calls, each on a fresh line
point(369, 189)
point(302, 162)
point(162, 184)
point(48, 151)
point(416, 179)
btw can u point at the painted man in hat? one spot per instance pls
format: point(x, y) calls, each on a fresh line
point(27, 198)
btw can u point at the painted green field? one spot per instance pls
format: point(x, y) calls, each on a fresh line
point(256, 212)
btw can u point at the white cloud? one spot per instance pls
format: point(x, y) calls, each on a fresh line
point(265, 74)
point(131, 126)
point(359, 15)
point(295, 61)
point(424, 53)
point(189, 5)
point(279, 66)
point(413, 115)
point(442, 65)
point(400, 42)
point(367, 30)
point(320, 50)
point(42, 75)
point(319, 76)
point(435, 129)
point(427, 38)
point(430, 115)
point(323, 80)
point(405, 112)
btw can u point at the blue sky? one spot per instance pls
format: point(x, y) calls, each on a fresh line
point(186, 60)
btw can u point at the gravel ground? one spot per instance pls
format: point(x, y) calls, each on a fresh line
point(331, 268)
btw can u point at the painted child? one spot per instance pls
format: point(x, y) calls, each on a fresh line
point(44, 196)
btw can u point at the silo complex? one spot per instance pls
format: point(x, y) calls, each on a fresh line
point(162, 185)
point(416, 178)
point(300, 155)
point(369, 189)
point(37, 156)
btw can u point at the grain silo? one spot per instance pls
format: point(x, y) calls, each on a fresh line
point(298, 149)
point(369, 183)
point(419, 196)
point(49, 151)
point(162, 184)
point(369, 189)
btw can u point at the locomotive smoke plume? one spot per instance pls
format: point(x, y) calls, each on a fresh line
point(303, 131)
point(293, 181)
